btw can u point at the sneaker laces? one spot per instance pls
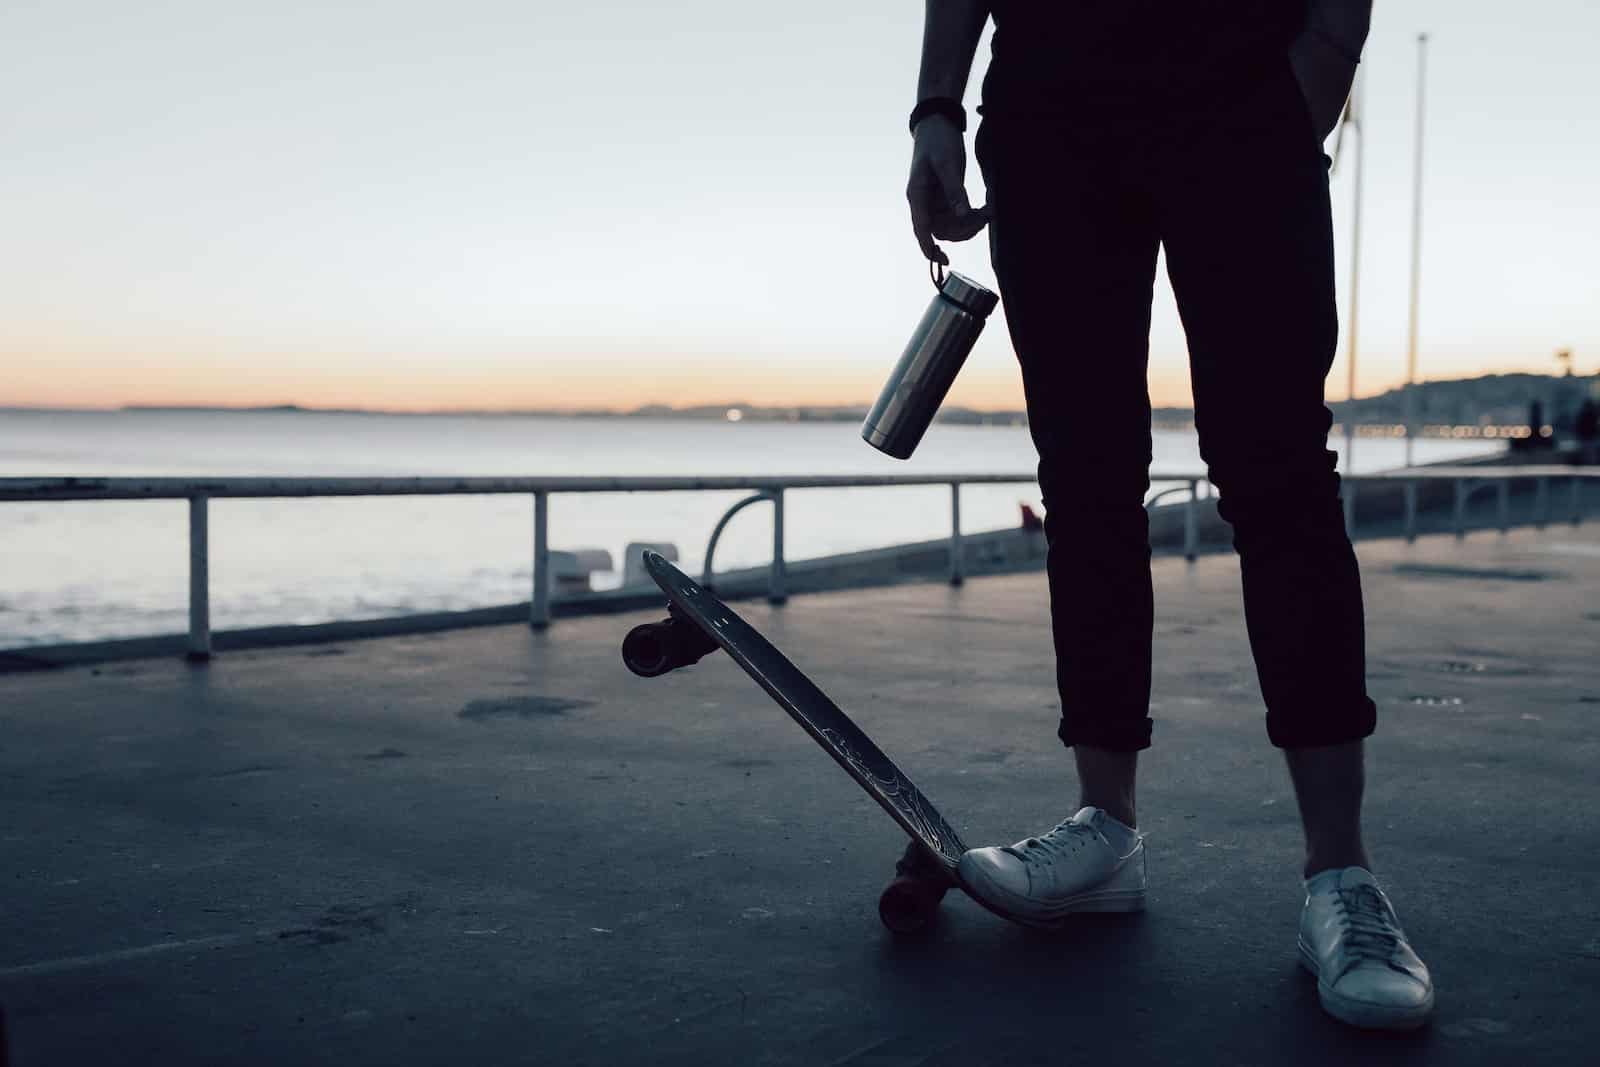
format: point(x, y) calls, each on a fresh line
point(1065, 839)
point(1371, 934)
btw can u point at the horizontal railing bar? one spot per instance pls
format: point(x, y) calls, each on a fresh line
point(1438, 474)
point(78, 488)
point(182, 488)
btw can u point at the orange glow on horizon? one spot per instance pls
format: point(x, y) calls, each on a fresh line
point(415, 382)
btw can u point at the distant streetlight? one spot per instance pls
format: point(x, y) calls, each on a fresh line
point(1563, 357)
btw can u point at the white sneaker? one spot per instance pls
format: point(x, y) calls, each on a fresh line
point(1039, 881)
point(1350, 939)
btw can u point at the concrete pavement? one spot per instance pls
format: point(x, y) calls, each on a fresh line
point(496, 846)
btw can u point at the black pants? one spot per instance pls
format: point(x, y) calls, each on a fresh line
point(1233, 184)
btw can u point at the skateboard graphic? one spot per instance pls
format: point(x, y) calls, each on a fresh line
point(698, 623)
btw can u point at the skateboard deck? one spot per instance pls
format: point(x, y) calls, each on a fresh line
point(700, 623)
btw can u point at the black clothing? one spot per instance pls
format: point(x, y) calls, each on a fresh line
point(1233, 184)
point(1056, 56)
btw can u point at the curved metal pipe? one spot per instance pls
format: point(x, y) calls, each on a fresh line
point(716, 532)
point(1189, 488)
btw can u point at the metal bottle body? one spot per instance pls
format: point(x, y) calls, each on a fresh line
point(928, 366)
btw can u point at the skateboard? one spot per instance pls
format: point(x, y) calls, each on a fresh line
point(697, 625)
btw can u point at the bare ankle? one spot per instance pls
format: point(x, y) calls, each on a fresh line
point(1124, 815)
point(1318, 861)
point(1106, 781)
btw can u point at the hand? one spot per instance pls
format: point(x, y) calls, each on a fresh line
point(1325, 73)
point(937, 188)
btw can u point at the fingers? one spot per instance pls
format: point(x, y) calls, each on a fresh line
point(924, 194)
point(922, 226)
point(940, 209)
point(955, 220)
point(932, 218)
point(961, 225)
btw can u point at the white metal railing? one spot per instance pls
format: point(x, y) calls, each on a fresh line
point(200, 491)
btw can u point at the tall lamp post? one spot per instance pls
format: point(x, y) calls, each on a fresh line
point(1416, 251)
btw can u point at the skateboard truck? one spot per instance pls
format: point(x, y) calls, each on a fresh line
point(655, 648)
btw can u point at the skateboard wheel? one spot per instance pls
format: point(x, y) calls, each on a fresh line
point(658, 647)
point(909, 905)
point(644, 650)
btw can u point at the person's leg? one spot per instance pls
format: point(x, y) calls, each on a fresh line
point(1328, 782)
point(1250, 251)
point(1074, 249)
point(1246, 221)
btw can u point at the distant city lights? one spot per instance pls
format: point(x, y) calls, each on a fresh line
point(1491, 432)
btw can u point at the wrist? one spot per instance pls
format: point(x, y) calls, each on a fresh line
point(947, 107)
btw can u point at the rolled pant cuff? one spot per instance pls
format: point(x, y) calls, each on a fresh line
point(1324, 727)
point(1132, 737)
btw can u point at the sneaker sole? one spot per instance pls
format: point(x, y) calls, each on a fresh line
point(1094, 901)
point(1363, 1013)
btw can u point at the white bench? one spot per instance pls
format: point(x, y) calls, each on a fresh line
point(570, 570)
point(633, 572)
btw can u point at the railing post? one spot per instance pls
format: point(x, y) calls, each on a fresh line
point(1191, 523)
point(777, 591)
point(1577, 501)
point(1461, 508)
point(1541, 503)
point(957, 547)
point(1503, 502)
point(199, 579)
point(539, 605)
point(1349, 494)
point(1411, 510)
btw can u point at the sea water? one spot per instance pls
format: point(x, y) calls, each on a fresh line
point(76, 571)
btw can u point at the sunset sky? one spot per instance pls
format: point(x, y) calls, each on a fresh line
point(497, 204)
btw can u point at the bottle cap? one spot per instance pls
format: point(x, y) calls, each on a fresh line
point(968, 294)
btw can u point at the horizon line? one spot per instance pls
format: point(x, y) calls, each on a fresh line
point(656, 408)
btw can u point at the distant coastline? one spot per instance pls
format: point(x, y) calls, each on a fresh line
point(712, 412)
point(1492, 399)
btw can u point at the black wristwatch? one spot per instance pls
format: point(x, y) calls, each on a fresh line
point(948, 106)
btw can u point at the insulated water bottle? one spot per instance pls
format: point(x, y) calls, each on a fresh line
point(929, 365)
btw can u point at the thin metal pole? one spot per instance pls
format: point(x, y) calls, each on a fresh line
point(1577, 501)
point(1349, 493)
point(1416, 248)
point(199, 579)
point(1191, 523)
point(1541, 505)
point(1411, 511)
point(1461, 509)
point(957, 548)
point(539, 609)
point(1503, 493)
point(1355, 285)
point(777, 591)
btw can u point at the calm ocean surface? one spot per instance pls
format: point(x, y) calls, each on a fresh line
point(82, 571)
